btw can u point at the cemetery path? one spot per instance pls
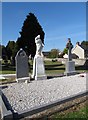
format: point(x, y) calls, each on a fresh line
point(24, 96)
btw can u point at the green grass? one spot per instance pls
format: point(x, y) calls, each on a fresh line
point(82, 113)
point(51, 63)
point(54, 67)
point(7, 80)
point(7, 72)
point(50, 68)
point(81, 68)
point(8, 69)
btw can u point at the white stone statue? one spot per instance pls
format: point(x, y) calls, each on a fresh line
point(38, 63)
point(39, 45)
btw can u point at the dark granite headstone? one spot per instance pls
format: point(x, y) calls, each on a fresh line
point(22, 71)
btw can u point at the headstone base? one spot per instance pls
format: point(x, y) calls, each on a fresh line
point(24, 79)
point(38, 68)
point(70, 68)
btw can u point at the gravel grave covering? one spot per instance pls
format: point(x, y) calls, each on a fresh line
point(23, 96)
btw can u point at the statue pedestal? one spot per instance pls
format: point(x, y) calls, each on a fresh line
point(38, 68)
point(70, 68)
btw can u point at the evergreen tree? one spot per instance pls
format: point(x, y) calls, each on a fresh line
point(31, 28)
point(84, 44)
point(10, 49)
point(3, 52)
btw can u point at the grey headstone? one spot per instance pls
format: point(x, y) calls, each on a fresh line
point(22, 71)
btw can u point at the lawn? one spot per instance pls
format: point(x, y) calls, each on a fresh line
point(54, 67)
point(8, 69)
point(51, 68)
point(77, 114)
point(7, 80)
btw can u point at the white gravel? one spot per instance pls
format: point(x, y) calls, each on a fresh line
point(24, 96)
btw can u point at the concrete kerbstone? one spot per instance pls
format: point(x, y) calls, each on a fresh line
point(47, 106)
point(5, 114)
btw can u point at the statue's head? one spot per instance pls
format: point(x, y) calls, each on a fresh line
point(38, 37)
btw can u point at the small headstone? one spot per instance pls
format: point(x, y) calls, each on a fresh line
point(38, 64)
point(22, 71)
point(70, 65)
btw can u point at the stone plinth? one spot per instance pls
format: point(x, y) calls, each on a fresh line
point(38, 68)
point(70, 68)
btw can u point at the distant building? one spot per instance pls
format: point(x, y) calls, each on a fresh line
point(79, 51)
point(65, 56)
point(46, 54)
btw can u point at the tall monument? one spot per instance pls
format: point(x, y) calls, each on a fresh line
point(38, 63)
point(70, 65)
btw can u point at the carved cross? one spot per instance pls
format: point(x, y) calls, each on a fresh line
point(69, 46)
